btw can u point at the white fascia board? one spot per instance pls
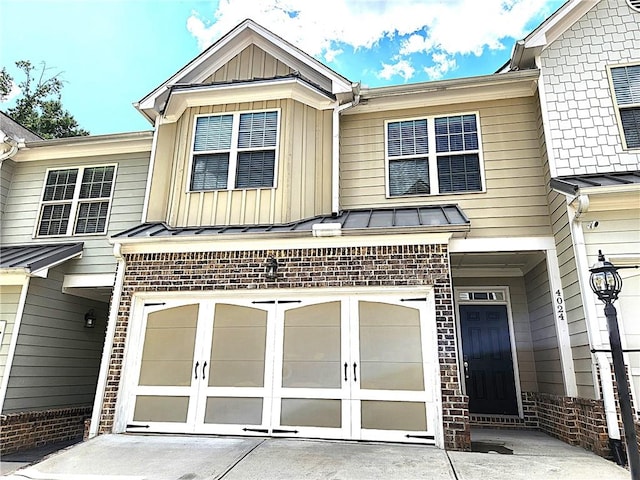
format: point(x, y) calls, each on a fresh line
point(88, 280)
point(77, 147)
point(292, 88)
point(448, 92)
point(232, 44)
point(13, 276)
point(504, 244)
point(559, 23)
point(207, 244)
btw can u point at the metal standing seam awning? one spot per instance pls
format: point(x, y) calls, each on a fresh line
point(436, 218)
point(37, 259)
point(574, 184)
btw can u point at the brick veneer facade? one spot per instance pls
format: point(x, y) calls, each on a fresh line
point(411, 265)
point(24, 430)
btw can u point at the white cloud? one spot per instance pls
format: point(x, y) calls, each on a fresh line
point(324, 28)
point(401, 67)
point(442, 65)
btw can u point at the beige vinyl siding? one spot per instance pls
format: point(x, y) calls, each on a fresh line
point(56, 359)
point(9, 304)
point(515, 200)
point(303, 178)
point(252, 62)
point(572, 296)
point(520, 316)
point(6, 175)
point(543, 331)
point(618, 235)
point(23, 203)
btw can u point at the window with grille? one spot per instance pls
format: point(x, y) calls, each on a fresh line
point(626, 89)
point(235, 151)
point(433, 155)
point(76, 201)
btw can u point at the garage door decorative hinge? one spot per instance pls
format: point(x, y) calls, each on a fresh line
point(424, 437)
point(276, 430)
point(257, 430)
point(133, 425)
point(156, 304)
point(413, 299)
point(276, 301)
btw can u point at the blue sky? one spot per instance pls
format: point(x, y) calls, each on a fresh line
point(111, 53)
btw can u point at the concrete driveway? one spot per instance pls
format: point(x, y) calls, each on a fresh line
point(523, 455)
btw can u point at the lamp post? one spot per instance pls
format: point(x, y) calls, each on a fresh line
point(606, 284)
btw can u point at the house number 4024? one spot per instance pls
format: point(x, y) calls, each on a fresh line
point(560, 305)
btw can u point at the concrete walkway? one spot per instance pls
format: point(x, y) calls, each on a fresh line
point(523, 455)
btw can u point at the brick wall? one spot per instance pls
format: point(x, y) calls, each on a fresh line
point(412, 265)
point(24, 430)
point(576, 421)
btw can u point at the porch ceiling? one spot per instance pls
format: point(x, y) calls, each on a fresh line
point(497, 264)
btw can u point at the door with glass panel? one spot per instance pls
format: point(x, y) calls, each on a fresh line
point(394, 363)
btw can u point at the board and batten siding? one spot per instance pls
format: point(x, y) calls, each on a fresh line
point(23, 203)
point(9, 303)
point(6, 175)
point(303, 178)
point(515, 200)
point(251, 63)
point(520, 317)
point(56, 360)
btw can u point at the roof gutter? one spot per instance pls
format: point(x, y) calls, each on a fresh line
point(335, 144)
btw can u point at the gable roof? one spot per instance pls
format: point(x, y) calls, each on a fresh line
point(246, 33)
point(526, 50)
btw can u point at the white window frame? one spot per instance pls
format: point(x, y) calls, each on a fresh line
point(233, 150)
point(75, 201)
point(617, 106)
point(432, 155)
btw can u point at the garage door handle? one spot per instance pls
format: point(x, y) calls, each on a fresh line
point(346, 366)
point(203, 367)
point(355, 378)
point(195, 370)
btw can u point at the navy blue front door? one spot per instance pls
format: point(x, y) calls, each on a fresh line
point(486, 348)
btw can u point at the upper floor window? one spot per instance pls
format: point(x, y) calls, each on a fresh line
point(235, 150)
point(626, 87)
point(433, 155)
point(76, 201)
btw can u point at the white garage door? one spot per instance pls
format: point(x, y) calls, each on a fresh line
point(352, 367)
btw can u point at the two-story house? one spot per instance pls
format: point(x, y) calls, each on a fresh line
point(319, 259)
point(289, 253)
point(61, 200)
point(588, 54)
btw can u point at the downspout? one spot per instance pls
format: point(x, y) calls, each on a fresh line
point(108, 343)
point(577, 207)
point(14, 145)
point(335, 157)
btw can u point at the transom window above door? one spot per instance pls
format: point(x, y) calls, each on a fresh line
point(76, 201)
point(235, 151)
point(433, 155)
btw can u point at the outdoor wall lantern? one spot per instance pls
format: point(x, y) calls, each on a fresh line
point(606, 284)
point(271, 271)
point(90, 319)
